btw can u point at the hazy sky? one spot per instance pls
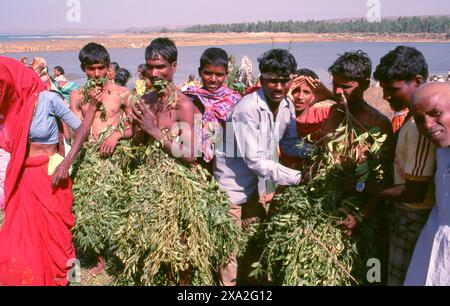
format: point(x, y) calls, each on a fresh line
point(30, 16)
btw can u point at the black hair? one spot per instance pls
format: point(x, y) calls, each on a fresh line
point(162, 47)
point(307, 72)
point(115, 65)
point(60, 69)
point(401, 64)
point(94, 53)
point(215, 57)
point(141, 67)
point(355, 66)
point(277, 61)
point(122, 76)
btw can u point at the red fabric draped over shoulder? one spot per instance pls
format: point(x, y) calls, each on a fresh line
point(19, 91)
point(35, 240)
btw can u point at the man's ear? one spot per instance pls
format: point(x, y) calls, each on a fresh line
point(82, 67)
point(199, 72)
point(174, 66)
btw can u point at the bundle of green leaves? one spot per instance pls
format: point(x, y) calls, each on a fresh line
point(304, 245)
point(165, 88)
point(93, 84)
point(177, 230)
point(100, 196)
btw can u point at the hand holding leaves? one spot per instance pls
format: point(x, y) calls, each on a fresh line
point(145, 118)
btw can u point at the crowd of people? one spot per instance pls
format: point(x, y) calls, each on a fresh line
point(250, 143)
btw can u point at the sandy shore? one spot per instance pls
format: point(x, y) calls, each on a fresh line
point(205, 39)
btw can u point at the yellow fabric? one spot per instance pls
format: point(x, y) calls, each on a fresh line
point(415, 160)
point(53, 162)
point(418, 178)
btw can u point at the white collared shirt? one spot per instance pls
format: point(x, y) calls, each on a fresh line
point(246, 159)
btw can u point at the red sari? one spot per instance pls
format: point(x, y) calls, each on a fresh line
point(35, 241)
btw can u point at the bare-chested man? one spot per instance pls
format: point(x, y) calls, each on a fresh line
point(95, 62)
point(351, 78)
point(170, 115)
point(110, 117)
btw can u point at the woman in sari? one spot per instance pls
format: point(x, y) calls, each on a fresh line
point(35, 240)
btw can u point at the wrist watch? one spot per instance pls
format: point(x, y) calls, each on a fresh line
point(360, 186)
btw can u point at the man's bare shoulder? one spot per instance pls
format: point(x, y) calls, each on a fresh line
point(376, 114)
point(123, 93)
point(121, 90)
point(76, 94)
point(336, 111)
point(335, 118)
point(379, 119)
point(185, 103)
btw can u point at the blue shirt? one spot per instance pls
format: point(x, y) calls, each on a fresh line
point(44, 128)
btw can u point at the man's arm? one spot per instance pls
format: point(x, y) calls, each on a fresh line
point(321, 92)
point(418, 171)
point(75, 97)
point(246, 130)
point(61, 172)
point(187, 130)
point(410, 192)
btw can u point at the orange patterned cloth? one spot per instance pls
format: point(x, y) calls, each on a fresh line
point(399, 119)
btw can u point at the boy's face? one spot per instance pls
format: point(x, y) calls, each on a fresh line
point(303, 97)
point(352, 90)
point(398, 93)
point(275, 88)
point(213, 77)
point(56, 72)
point(95, 71)
point(160, 69)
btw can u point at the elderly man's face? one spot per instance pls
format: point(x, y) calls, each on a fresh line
point(432, 116)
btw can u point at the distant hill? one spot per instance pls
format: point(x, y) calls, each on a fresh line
point(415, 24)
point(388, 18)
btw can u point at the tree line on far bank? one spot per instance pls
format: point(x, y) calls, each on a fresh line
point(437, 25)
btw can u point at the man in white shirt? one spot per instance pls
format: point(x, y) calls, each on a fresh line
point(246, 164)
point(430, 264)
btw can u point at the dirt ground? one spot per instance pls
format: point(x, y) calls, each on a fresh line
point(136, 40)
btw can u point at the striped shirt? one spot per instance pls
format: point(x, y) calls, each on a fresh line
point(415, 160)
